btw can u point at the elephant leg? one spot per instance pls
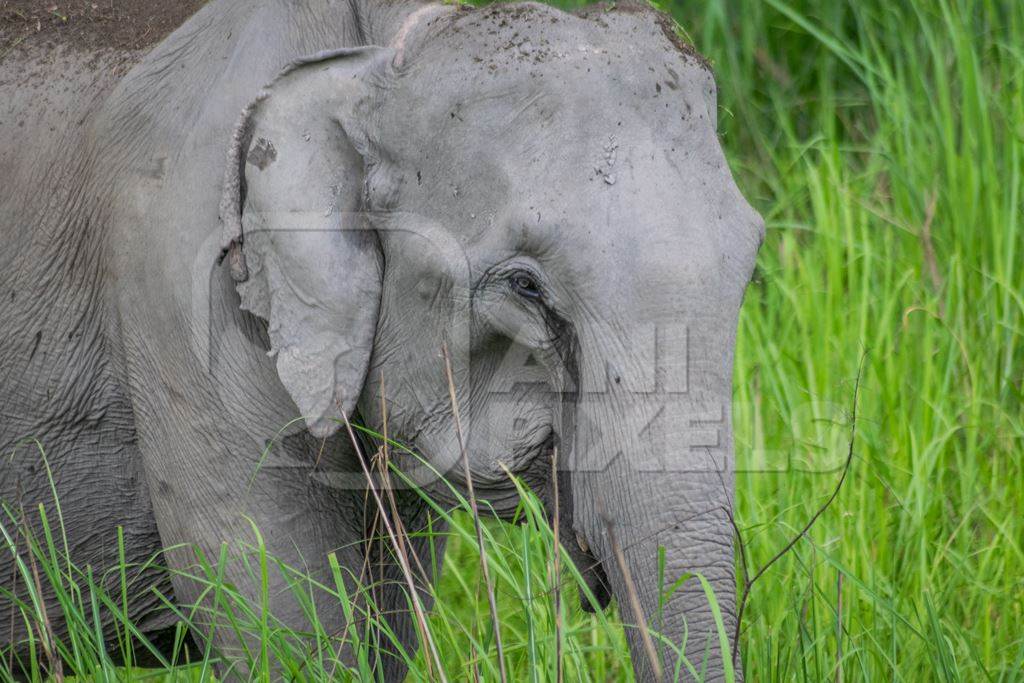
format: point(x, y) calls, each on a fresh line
point(212, 493)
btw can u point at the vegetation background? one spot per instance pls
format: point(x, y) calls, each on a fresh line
point(883, 142)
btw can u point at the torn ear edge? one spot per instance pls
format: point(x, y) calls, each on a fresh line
point(233, 187)
point(233, 198)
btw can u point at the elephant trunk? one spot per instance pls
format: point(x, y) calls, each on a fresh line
point(652, 474)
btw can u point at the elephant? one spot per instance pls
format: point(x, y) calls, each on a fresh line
point(288, 215)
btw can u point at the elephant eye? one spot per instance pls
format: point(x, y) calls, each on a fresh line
point(525, 285)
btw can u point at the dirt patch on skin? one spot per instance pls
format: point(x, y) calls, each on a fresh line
point(664, 21)
point(91, 24)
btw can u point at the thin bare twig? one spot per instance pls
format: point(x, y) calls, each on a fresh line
point(634, 598)
point(739, 541)
point(492, 603)
point(749, 583)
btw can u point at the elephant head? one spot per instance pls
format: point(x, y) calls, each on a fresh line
point(544, 195)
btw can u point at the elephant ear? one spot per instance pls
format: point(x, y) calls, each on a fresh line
point(299, 251)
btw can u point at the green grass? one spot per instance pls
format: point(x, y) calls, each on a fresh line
point(884, 144)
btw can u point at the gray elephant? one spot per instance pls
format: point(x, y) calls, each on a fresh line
point(541, 194)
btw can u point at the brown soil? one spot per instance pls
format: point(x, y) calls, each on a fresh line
point(91, 24)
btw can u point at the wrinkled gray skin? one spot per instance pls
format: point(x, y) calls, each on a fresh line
point(543, 193)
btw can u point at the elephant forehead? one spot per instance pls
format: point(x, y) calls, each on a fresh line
point(559, 128)
point(521, 73)
point(619, 181)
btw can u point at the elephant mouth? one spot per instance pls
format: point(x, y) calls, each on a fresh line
point(595, 593)
point(594, 576)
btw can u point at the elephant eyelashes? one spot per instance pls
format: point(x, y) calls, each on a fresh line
point(525, 285)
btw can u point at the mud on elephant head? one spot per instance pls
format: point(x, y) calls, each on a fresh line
point(545, 196)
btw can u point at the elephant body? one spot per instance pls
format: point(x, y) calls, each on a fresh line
point(61, 382)
point(92, 145)
point(164, 322)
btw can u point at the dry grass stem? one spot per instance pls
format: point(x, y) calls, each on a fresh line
point(491, 601)
point(403, 560)
point(634, 597)
point(556, 569)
